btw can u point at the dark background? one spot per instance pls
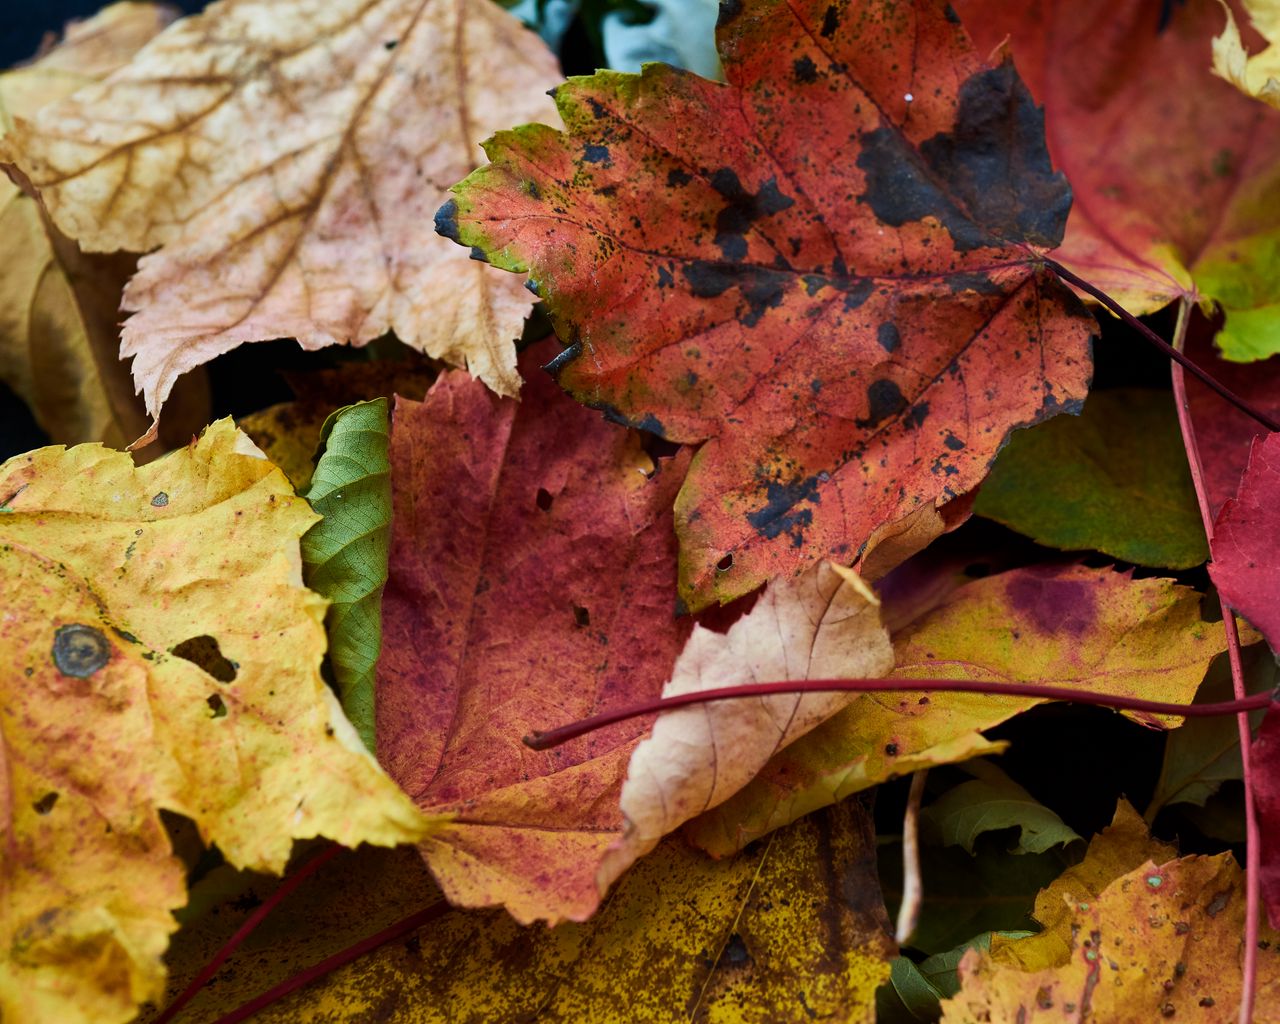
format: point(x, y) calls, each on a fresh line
point(23, 25)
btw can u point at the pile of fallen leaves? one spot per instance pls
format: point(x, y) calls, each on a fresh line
point(823, 405)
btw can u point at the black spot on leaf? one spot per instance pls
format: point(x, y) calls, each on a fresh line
point(805, 70)
point(79, 651)
point(447, 220)
point(761, 288)
point(884, 400)
point(45, 804)
point(593, 154)
point(742, 210)
point(888, 336)
point(779, 514)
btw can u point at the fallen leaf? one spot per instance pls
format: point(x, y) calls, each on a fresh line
point(1114, 479)
point(827, 270)
point(918, 989)
point(1160, 941)
point(1223, 433)
point(532, 574)
point(167, 658)
point(823, 624)
point(1092, 629)
point(284, 159)
point(344, 556)
point(59, 306)
point(990, 802)
point(1253, 74)
point(1264, 758)
point(1246, 561)
point(790, 928)
point(1171, 169)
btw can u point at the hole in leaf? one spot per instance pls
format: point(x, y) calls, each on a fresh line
point(216, 705)
point(543, 499)
point(725, 564)
point(581, 616)
point(891, 749)
point(45, 804)
point(204, 651)
point(160, 500)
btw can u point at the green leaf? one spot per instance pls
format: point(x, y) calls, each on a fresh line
point(1205, 752)
point(344, 556)
point(993, 801)
point(1113, 479)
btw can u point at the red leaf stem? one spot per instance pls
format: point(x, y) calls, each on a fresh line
point(540, 740)
point(1253, 839)
point(245, 930)
point(1173, 353)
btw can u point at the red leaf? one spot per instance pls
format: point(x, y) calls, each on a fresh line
point(532, 575)
point(1246, 555)
point(826, 269)
point(1264, 757)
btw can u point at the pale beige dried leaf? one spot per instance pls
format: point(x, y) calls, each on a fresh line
point(59, 307)
point(1254, 74)
point(824, 623)
point(288, 157)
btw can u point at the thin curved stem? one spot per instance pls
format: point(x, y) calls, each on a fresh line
point(1173, 353)
point(541, 740)
point(245, 930)
point(1253, 849)
point(353, 952)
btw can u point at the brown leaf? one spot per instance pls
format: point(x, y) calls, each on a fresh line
point(287, 159)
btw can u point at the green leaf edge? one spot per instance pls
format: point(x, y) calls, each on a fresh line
point(344, 556)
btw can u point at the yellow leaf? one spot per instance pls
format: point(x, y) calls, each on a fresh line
point(1147, 941)
point(59, 307)
point(164, 655)
point(287, 158)
point(1257, 75)
point(822, 624)
point(792, 930)
point(1092, 629)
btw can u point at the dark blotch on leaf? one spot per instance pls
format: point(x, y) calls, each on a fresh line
point(761, 288)
point(916, 416)
point(478, 254)
point(735, 952)
point(779, 515)
point(729, 9)
point(217, 705)
point(884, 400)
point(805, 70)
point(1054, 606)
point(45, 804)
point(79, 651)
point(581, 616)
point(677, 178)
point(953, 442)
point(593, 154)
point(204, 652)
point(563, 359)
point(447, 220)
point(743, 209)
point(988, 180)
point(830, 22)
point(649, 422)
point(543, 499)
point(888, 336)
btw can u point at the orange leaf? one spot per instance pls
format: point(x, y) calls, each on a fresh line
point(827, 269)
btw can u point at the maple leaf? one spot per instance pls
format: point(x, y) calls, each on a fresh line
point(1159, 941)
point(1253, 74)
point(1091, 629)
point(58, 305)
point(788, 929)
point(826, 269)
point(168, 658)
point(283, 159)
point(1171, 169)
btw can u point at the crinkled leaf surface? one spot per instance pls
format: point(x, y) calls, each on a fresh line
point(1253, 74)
point(1093, 629)
point(284, 157)
point(826, 269)
point(164, 655)
point(1246, 542)
point(990, 802)
point(1113, 479)
point(344, 556)
point(59, 338)
point(791, 927)
point(532, 581)
point(1173, 171)
point(823, 624)
point(539, 590)
point(1154, 941)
